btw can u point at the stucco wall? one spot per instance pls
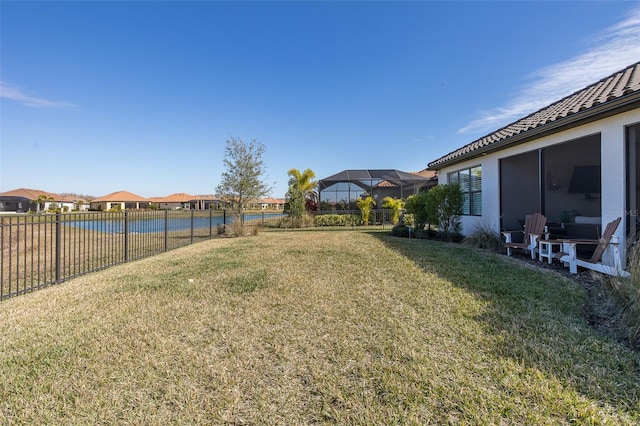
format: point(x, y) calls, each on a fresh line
point(613, 169)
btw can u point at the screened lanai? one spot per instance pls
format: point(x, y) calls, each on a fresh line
point(349, 185)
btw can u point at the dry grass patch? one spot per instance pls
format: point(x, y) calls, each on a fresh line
point(312, 327)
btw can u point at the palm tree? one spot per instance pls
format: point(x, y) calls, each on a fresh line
point(52, 204)
point(395, 204)
point(41, 199)
point(301, 188)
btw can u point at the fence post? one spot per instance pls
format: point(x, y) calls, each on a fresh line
point(2, 224)
point(210, 222)
point(166, 230)
point(58, 247)
point(191, 226)
point(224, 219)
point(126, 236)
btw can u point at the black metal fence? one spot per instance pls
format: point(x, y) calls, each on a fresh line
point(44, 249)
point(40, 250)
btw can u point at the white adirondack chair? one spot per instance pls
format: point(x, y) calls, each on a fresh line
point(569, 254)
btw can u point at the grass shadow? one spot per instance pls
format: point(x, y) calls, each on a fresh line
point(536, 318)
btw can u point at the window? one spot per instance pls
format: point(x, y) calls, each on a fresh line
point(470, 182)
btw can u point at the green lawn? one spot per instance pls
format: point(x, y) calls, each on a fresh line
point(313, 327)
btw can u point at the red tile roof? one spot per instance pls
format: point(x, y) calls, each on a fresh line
point(429, 174)
point(386, 184)
point(122, 196)
point(180, 197)
point(208, 197)
point(619, 90)
point(271, 200)
point(31, 194)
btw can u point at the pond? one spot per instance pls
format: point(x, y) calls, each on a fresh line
point(148, 225)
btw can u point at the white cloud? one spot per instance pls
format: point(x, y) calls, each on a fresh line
point(616, 48)
point(8, 91)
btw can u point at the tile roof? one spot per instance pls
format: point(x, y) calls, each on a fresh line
point(272, 200)
point(386, 184)
point(180, 197)
point(31, 194)
point(122, 196)
point(208, 197)
point(429, 174)
point(597, 98)
point(69, 198)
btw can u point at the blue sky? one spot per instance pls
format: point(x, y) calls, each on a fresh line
point(98, 97)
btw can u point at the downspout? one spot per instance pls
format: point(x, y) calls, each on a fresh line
point(541, 180)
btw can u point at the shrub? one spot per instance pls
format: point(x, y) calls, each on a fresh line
point(235, 229)
point(484, 237)
point(626, 293)
point(426, 233)
point(302, 221)
point(416, 205)
point(396, 205)
point(365, 205)
point(409, 220)
point(400, 230)
point(444, 207)
point(337, 220)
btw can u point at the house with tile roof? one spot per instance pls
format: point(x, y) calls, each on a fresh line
point(394, 190)
point(22, 200)
point(120, 200)
point(176, 201)
point(578, 157)
point(208, 201)
point(271, 203)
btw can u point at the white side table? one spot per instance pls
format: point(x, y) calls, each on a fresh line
point(546, 249)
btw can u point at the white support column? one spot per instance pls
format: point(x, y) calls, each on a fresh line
point(613, 171)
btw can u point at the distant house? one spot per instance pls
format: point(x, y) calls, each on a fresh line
point(392, 189)
point(120, 200)
point(272, 204)
point(206, 202)
point(23, 200)
point(176, 201)
point(69, 203)
point(81, 204)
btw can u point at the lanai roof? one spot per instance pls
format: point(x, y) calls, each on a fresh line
point(619, 91)
point(369, 178)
